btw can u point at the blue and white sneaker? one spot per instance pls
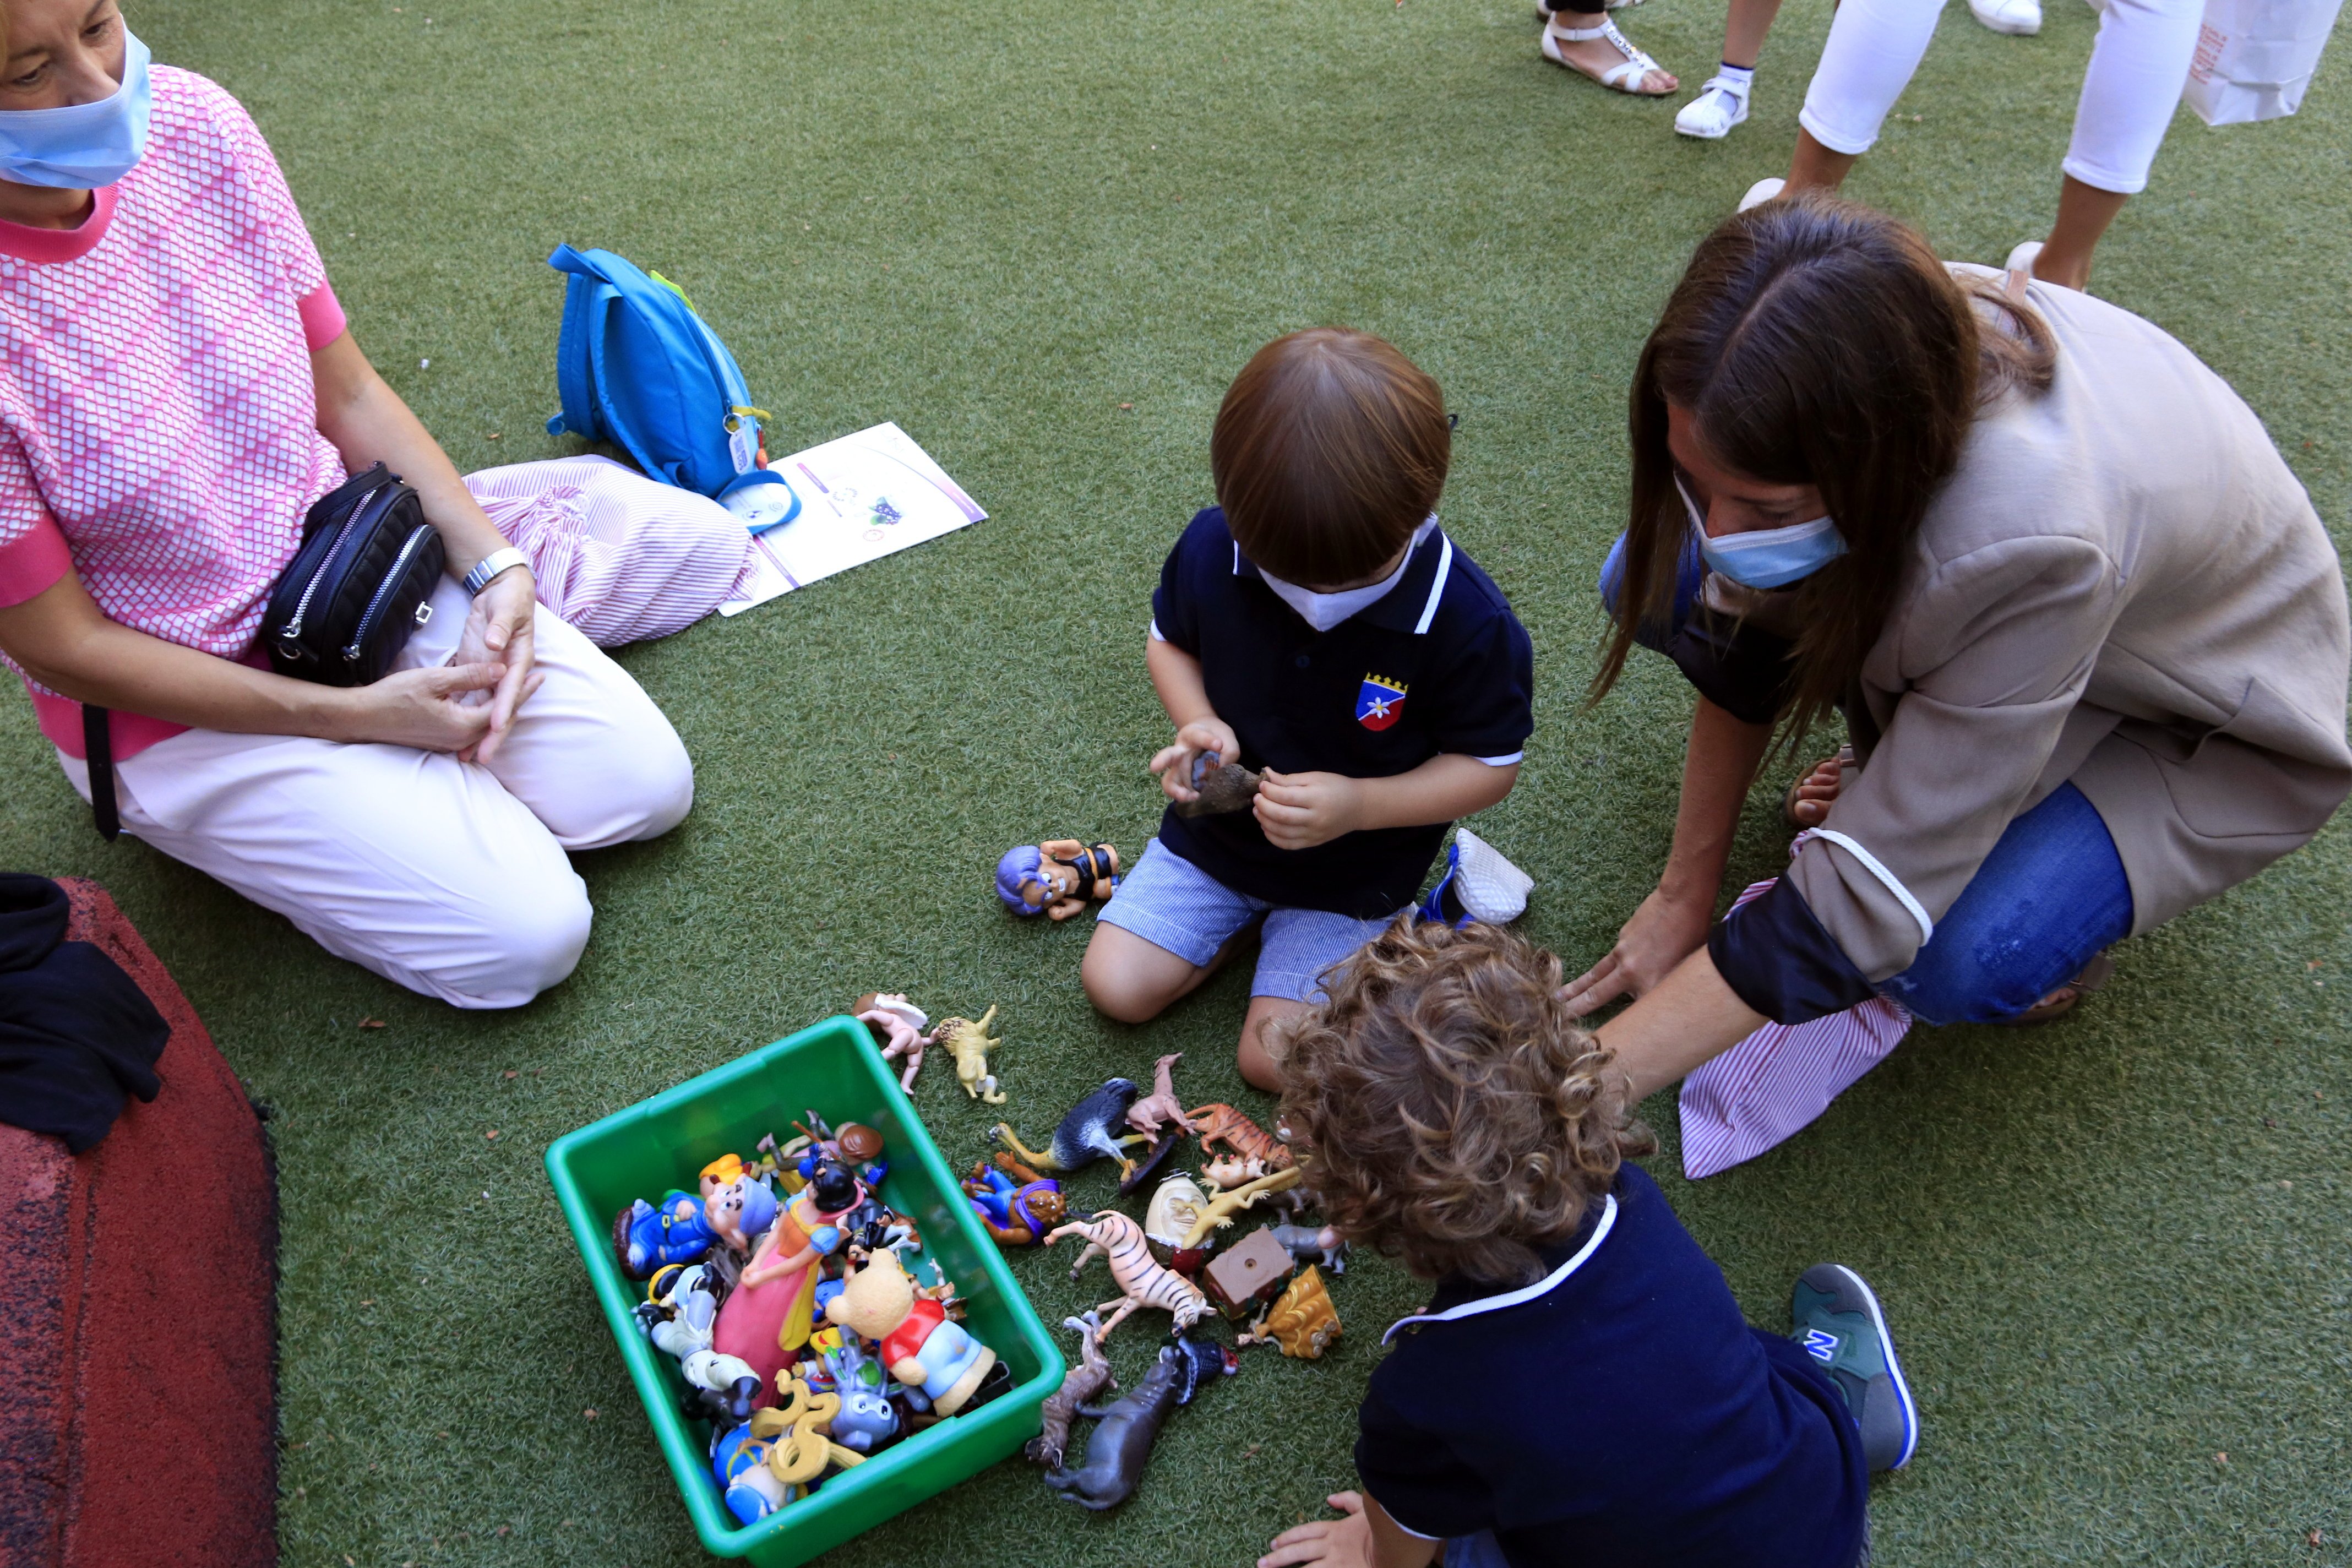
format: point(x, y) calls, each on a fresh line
point(1838, 1323)
point(1479, 884)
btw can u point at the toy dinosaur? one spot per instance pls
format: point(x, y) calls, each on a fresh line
point(1220, 1123)
point(1218, 1214)
point(1084, 1382)
point(1302, 1321)
point(897, 1026)
point(1125, 1431)
point(1056, 878)
point(1142, 1282)
point(972, 1043)
point(1087, 1134)
point(1218, 787)
point(1147, 1115)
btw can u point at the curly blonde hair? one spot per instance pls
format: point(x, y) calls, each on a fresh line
point(1448, 1112)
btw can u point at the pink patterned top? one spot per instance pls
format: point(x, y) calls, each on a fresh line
point(158, 426)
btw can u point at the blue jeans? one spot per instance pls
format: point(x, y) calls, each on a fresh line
point(2049, 895)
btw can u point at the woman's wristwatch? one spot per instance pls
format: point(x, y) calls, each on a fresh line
point(490, 565)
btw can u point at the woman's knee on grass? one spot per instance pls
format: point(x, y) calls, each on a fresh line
point(528, 937)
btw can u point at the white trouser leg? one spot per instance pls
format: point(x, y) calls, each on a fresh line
point(448, 877)
point(1873, 47)
point(2138, 67)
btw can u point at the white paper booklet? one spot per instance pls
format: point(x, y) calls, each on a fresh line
point(861, 498)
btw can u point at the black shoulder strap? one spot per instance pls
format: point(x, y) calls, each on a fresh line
point(98, 747)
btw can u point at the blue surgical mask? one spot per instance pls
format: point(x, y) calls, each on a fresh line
point(82, 146)
point(1768, 557)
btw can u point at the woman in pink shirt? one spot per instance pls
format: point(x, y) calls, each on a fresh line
point(179, 387)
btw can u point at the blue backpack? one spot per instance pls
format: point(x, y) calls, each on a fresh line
point(635, 366)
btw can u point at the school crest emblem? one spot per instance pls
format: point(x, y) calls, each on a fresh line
point(1379, 703)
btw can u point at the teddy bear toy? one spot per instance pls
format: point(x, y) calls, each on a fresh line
point(920, 1346)
point(1056, 878)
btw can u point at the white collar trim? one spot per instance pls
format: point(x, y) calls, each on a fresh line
point(1526, 1292)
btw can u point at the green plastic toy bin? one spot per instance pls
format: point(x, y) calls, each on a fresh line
point(662, 1143)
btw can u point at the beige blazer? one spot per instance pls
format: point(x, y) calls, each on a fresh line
point(2122, 585)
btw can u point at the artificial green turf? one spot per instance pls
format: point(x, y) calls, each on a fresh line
point(2114, 1249)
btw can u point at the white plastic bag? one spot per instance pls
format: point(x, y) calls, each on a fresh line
point(2254, 58)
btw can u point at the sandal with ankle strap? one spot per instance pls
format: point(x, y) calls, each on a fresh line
point(1847, 769)
point(1636, 65)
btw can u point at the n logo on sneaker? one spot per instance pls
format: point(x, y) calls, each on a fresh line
point(1821, 1346)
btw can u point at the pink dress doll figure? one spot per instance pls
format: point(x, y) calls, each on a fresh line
point(766, 1318)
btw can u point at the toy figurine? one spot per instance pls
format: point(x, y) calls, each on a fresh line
point(1056, 878)
point(867, 1419)
point(1245, 1278)
point(920, 1346)
point(897, 1026)
point(646, 1237)
point(856, 1145)
point(1084, 1382)
point(1303, 1323)
point(1142, 1282)
point(739, 1212)
point(1087, 1134)
point(972, 1043)
point(676, 1316)
point(1017, 1209)
point(1126, 1429)
point(1220, 1123)
point(798, 1430)
point(1161, 1105)
point(725, 1170)
point(766, 1319)
point(1219, 1213)
point(739, 1463)
point(1314, 1243)
point(1218, 787)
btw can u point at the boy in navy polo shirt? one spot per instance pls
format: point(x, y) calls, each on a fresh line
point(1321, 627)
point(1581, 1388)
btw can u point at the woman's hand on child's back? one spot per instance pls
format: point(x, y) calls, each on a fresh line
point(1299, 811)
point(1174, 763)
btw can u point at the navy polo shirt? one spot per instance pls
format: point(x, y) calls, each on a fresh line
point(1619, 1410)
point(1438, 664)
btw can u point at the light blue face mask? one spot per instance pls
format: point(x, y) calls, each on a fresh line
point(81, 146)
point(1768, 557)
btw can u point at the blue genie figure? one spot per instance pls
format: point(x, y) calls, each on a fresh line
point(1056, 878)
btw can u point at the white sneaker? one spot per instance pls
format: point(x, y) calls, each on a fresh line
point(1762, 190)
point(1711, 115)
point(1491, 888)
point(2022, 259)
point(2019, 18)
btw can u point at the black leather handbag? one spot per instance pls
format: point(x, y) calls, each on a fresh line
point(360, 585)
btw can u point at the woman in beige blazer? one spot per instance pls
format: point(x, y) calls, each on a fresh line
point(2086, 632)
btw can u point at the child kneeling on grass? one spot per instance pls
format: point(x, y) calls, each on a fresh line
point(1581, 1388)
point(1318, 625)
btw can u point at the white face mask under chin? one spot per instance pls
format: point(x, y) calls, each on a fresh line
point(1323, 611)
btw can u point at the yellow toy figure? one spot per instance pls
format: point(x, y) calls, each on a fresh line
point(920, 1346)
point(972, 1043)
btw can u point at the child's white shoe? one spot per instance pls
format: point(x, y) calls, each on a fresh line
point(1762, 190)
point(2019, 18)
point(1479, 884)
point(1710, 116)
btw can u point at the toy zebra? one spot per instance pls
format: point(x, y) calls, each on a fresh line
point(1141, 1280)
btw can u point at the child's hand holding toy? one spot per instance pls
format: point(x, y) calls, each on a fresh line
point(1211, 737)
point(1298, 811)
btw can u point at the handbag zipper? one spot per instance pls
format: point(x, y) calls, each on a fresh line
point(293, 631)
point(384, 592)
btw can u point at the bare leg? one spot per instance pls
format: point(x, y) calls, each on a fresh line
point(1743, 32)
point(1135, 981)
point(1258, 1068)
point(2084, 214)
point(1814, 167)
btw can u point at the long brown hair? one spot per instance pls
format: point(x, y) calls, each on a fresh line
point(1813, 341)
point(1329, 449)
point(1448, 1110)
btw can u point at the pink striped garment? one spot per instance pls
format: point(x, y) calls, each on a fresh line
point(620, 556)
point(1771, 1085)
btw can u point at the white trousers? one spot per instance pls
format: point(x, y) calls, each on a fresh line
point(2138, 67)
point(448, 877)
